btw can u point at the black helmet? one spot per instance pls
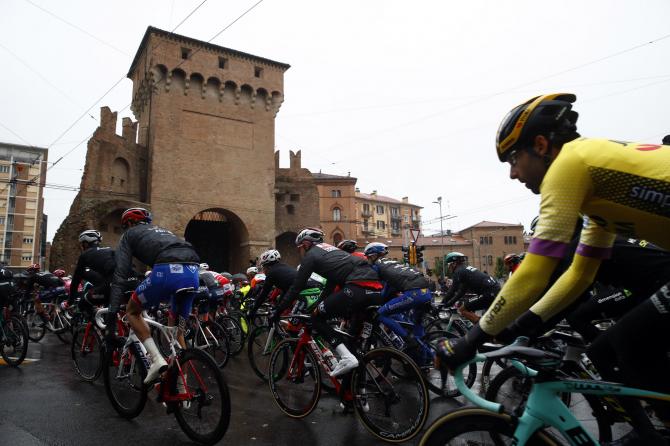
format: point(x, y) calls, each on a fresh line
point(5, 274)
point(546, 114)
point(348, 246)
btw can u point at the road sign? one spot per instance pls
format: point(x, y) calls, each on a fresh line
point(415, 233)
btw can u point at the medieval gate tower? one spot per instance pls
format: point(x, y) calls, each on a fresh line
point(201, 156)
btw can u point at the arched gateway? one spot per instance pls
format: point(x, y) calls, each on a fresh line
point(220, 238)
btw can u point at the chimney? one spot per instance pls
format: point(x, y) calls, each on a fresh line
point(358, 191)
point(276, 159)
point(405, 199)
point(374, 192)
point(348, 174)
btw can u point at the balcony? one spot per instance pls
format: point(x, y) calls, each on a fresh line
point(396, 217)
point(416, 221)
point(395, 231)
point(366, 214)
point(368, 231)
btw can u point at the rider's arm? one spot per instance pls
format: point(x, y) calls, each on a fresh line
point(304, 272)
point(457, 289)
point(76, 279)
point(564, 189)
point(124, 267)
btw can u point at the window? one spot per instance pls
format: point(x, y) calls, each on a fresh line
point(27, 239)
point(490, 258)
point(185, 53)
point(380, 209)
point(381, 224)
point(27, 257)
point(395, 212)
point(4, 169)
point(337, 214)
point(290, 209)
point(2, 220)
point(295, 197)
point(336, 193)
point(223, 63)
point(258, 72)
point(279, 198)
point(365, 224)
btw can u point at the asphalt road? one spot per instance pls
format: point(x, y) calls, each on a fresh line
point(43, 402)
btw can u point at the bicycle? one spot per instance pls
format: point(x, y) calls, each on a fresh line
point(492, 423)
point(13, 338)
point(193, 387)
point(392, 406)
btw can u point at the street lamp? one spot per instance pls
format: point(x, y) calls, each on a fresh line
point(439, 202)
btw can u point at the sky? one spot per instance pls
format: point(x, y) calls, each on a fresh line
point(405, 96)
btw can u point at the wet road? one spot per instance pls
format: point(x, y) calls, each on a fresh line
point(43, 402)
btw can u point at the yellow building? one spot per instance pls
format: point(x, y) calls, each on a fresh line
point(22, 223)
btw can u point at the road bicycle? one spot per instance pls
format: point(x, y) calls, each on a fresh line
point(13, 338)
point(538, 417)
point(193, 387)
point(386, 391)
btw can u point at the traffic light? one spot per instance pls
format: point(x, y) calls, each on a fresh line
point(419, 255)
point(405, 254)
point(412, 254)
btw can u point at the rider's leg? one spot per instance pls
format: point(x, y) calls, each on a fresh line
point(141, 330)
point(634, 351)
point(396, 305)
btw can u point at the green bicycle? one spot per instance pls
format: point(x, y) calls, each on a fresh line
point(543, 409)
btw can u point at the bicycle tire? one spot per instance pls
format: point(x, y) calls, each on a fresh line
point(235, 333)
point(35, 332)
point(258, 358)
point(92, 348)
point(603, 426)
point(138, 389)
point(241, 319)
point(468, 420)
point(366, 384)
point(282, 388)
point(16, 334)
point(203, 399)
point(219, 348)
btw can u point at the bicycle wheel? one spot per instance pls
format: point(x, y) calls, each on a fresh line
point(511, 388)
point(234, 332)
point(440, 382)
point(124, 374)
point(86, 350)
point(205, 416)
point(15, 342)
point(217, 342)
point(61, 326)
point(36, 330)
point(478, 427)
point(241, 319)
point(393, 407)
point(259, 348)
point(295, 379)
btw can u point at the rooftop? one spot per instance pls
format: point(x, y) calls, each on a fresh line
point(383, 198)
point(209, 46)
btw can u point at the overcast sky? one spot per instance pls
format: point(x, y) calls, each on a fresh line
point(406, 96)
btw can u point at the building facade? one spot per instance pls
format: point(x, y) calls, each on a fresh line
point(337, 206)
point(22, 222)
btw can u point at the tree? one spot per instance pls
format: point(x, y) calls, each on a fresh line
point(500, 268)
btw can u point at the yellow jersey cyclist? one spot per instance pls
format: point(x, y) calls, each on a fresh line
point(623, 188)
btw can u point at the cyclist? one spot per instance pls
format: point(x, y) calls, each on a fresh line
point(468, 279)
point(404, 289)
point(624, 188)
point(512, 262)
point(174, 266)
point(360, 287)
point(350, 246)
point(96, 265)
point(251, 272)
point(278, 275)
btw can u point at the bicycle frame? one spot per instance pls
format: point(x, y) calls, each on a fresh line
point(544, 406)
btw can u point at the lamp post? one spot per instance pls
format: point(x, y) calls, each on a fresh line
point(439, 202)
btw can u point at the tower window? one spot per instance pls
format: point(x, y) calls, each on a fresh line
point(185, 53)
point(258, 72)
point(223, 63)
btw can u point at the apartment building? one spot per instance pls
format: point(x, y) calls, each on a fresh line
point(22, 223)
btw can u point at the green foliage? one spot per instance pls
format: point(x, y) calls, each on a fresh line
point(500, 268)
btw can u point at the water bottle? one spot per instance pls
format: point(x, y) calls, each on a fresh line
point(142, 353)
point(330, 358)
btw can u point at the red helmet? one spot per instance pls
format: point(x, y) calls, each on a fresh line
point(135, 215)
point(35, 267)
point(59, 273)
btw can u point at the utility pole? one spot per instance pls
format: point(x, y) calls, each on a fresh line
point(439, 202)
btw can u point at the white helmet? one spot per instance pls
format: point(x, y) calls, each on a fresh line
point(269, 256)
point(309, 234)
point(252, 270)
point(90, 236)
point(204, 267)
point(260, 277)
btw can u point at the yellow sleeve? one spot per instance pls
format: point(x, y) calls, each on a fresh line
point(519, 293)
